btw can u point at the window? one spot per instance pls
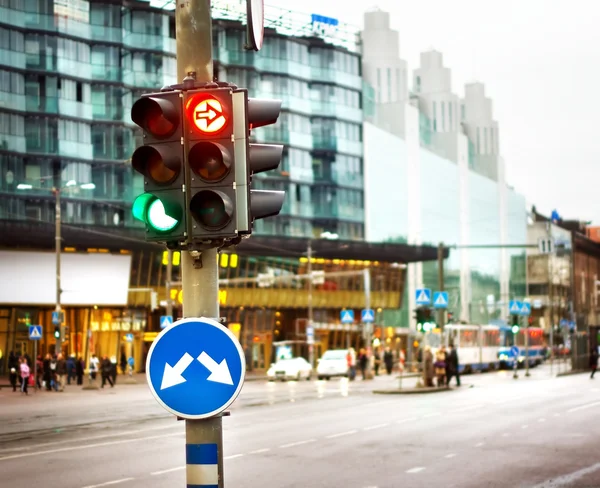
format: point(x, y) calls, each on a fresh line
point(389, 85)
point(443, 115)
point(378, 85)
point(485, 140)
point(434, 117)
point(418, 83)
point(79, 92)
point(450, 116)
point(478, 142)
point(492, 146)
point(462, 111)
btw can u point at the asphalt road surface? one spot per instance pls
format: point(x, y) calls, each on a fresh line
point(540, 432)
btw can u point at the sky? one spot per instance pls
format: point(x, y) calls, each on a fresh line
point(540, 63)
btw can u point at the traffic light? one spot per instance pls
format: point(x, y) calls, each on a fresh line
point(259, 158)
point(214, 141)
point(515, 324)
point(57, 331)
point(161, 161)
point(424, 317)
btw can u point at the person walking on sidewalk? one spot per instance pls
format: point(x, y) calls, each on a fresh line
point(61, 373)
point(106, 370)
point(452, 366)
point(24, 369)
point(593, 361)
point(13, 368)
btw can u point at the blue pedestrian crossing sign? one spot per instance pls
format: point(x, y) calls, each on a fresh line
point(514, 307)
point(35, 332)
point(367, 315)
point(525, 309)
point(440, 299)
point(129, 337)
point(165, 321)
point(423, 296)
point(195, 368)
point(57, 318)
point(347, 316)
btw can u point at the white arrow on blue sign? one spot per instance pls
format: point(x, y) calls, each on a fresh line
point(165, 321)
point(367, 315)
point(514, 307)
point(35, 332)
point(423, 296)
point(347, 316)
point(440, 299)
point(195, 368)
point(525, 308)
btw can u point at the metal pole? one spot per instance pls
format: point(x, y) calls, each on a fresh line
point(440, 259)
point(168, 282)
point(311, 350)
point(368, 328)
point(35, 365)
point(199, 272)
point(58, 243)
point(527, 347)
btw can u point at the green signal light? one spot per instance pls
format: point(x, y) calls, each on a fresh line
point(158, 219)
point(515, 329)
point(150, 210)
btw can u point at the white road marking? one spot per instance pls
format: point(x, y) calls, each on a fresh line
point(583, 407)
point(410, 419)
point(165, 471)
point(569, 478)
point(450, 456)
point(378, 426)
point(524, 426)
point(260, 451)
point(341, 434)
point(87, 446)
point(122, 480)
point(505, 435)
point(233, 456)
point(557, 414)
point(415, 470)
point(299, 443)
point(431, 415)
point(479, 444)
point(542, 420)
point(85, 439)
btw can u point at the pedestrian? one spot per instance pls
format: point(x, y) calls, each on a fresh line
point(79, 367)
point(53, 375)
point(377, 363)
point(106, 370)
point(440, 366)
point(61, 373)
point(24, 370)
point(351, 363)
point(123, 362)
point(113, 369)
point(47, 372)
point(70, 369)
point(13, 368)
point(362, 362)
point(40, 372)
point(593, 361)
point(452, 366)
point(388, 360)
point(94, 366)
point(428, 370)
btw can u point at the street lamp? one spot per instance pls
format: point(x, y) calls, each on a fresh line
point(58, 239)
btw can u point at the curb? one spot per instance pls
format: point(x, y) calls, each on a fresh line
point(577, 371)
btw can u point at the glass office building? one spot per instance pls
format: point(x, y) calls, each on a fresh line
point(70, 72)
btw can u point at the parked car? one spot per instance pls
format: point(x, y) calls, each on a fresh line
point(333, 363)
point(290, 369)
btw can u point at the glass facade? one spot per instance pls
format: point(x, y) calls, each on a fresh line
point(70, 72)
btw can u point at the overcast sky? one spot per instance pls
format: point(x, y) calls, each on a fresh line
point(540, 63)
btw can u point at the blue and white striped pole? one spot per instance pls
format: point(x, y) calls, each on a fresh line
point(204, 453)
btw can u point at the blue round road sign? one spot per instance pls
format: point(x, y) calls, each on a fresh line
point(195, 368)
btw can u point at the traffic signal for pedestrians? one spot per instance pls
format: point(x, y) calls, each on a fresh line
point(258, 159)
point(161, 161)
point(57, 331)
point(424, 317)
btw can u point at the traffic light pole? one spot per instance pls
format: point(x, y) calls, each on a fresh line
point(168, 282)
point(199, 271)
point(58, 244)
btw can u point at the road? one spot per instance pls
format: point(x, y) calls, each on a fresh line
point(532, 432)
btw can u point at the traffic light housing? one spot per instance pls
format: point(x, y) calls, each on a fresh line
point(161, 161)
point(424, 318)
point(57, 331)
point(515, 324)
point(260, 158)
point(213, 140)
